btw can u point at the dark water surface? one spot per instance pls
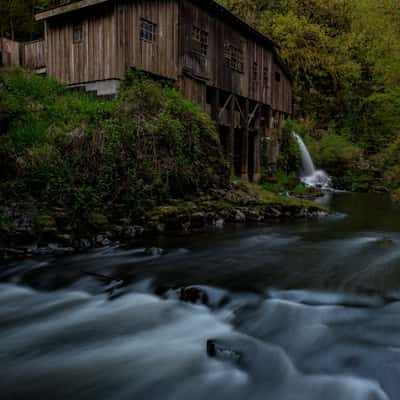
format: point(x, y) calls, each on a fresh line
point(299, 311)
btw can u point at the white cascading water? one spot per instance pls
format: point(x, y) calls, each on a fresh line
point(309, 175)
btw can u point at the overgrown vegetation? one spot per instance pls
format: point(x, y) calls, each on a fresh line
point(95, 158)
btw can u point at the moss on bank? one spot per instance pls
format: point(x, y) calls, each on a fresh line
point(73, 165)
point(86, 155)
point(242, 202)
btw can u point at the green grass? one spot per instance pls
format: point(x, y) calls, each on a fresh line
point(86, 155)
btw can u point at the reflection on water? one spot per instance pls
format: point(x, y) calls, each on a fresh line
point(311, 307)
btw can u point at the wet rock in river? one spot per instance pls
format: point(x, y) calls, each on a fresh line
point(128, 231)
point(103, 240)
point(153, 251)
point(208, 296)
point(65, 239)
point(198, 221)
point(273, 213)
point(217, 350)
point(193, 295)
point(254, 216)
point(219, 223)
point(239, 216)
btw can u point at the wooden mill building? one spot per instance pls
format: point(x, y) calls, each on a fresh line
point(217, 60)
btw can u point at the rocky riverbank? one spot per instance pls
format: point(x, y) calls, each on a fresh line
point(29, 231)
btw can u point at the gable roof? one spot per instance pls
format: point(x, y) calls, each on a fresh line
point(210, 5)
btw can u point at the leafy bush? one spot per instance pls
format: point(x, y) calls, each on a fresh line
point(95, 156)
point(283, 182)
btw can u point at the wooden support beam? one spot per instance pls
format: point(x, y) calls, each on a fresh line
point(257, 157)
point(227, 102)
point(239, 108)
point(215, 106)
point(253, 114)
point(257, 148)
point(231, 136)
point(271, 143)
point(245, 143)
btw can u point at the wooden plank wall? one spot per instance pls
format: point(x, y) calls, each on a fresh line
point(10, 53)
point(158, 57)
point(212, 69)
point(94, 58)
point(112, 44)
point(33, 54)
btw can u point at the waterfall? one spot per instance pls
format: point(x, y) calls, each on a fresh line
point(310, 176)
point(306, 160)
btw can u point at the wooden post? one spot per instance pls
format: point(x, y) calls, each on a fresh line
point(231, 138)
point(269, 123)
point(215, 106)
point(257, 152)
point(245, 142)
point(272, 143)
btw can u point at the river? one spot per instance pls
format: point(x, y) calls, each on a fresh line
point(303, 310)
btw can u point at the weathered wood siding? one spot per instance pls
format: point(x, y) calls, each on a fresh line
point(112, 43)
point(158, 57)
point(33, 54)
point(251, 82)
point(9, 53)
point(92, 59)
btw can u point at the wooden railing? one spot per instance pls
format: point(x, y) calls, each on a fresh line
point(33, 54)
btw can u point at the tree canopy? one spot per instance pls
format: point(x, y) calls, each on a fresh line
point(345, 59)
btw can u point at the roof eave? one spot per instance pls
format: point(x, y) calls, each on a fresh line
point(66, 8)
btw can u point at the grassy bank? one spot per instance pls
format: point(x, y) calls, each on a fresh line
point(72, 161)
point(70, 150)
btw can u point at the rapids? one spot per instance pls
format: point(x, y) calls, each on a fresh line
point(304, 310)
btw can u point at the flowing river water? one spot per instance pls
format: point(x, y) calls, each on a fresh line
point(304, 310)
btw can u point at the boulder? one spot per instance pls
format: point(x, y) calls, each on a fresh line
point(193, 295)
point(239, 216)
point(218, 350)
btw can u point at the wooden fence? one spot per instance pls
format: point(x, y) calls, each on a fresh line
point(9, 53)
point(33, 54)
point(30, 55)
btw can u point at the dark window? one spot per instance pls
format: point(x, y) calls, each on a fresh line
point(147, 30)
point(227, 54)
point(277, 76)
point(266, 76)
point(233, 57)
point(78, 33)
point(200, 41)
point(255, 72)
point(255, 75)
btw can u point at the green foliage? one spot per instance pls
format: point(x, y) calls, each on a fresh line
point(5, 222)
point(96, 157)
point(396, 196)
point(289, 157)
point(334, 152)
point(344, 56)
point(16, 20)
point(283, 183)
point(43, 221)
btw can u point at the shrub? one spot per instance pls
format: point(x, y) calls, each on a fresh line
point(89, 155)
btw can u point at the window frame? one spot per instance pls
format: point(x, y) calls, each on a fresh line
point(200, 37)
point(233, 57)
point(146, 34)
point(77, 28)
